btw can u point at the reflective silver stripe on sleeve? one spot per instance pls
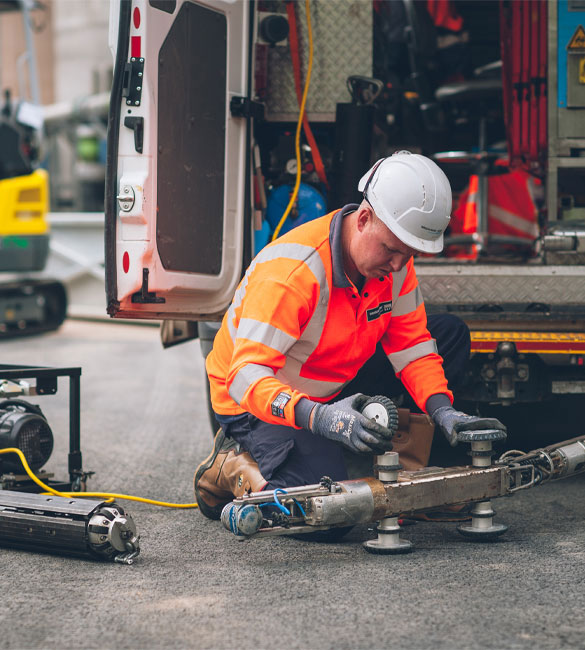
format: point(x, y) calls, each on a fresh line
point(400, 360)
point(313, 331)
point(259, 332)
point(407, 303)
point(230, 322)
point(298, 353)
point(298, 252)
point(245, 377)
point(397, 282)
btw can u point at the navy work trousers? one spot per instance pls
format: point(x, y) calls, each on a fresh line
point(287, 457)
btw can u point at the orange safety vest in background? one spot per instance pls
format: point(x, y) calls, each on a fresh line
point(297, 327)
point(444, 14)
point(511, 208)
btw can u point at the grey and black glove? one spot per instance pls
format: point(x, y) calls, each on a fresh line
point(342, 422)
point(452, 422)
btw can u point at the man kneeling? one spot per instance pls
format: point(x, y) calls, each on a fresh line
point(325, 315)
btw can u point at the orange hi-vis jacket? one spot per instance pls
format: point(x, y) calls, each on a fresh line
point(297, 327)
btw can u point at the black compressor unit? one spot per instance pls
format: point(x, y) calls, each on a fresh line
point(23, 425)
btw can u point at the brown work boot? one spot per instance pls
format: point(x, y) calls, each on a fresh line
point(226, 473)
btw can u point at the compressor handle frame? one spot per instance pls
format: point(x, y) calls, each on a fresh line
point(47, 384)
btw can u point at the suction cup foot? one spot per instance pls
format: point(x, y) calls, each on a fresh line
point(482, 534)
point(373, 546)
point(388, 541)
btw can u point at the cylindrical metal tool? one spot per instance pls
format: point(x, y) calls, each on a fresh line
point(70, 526)
point(572, 458)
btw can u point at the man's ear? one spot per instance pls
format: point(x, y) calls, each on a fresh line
point(364, 217)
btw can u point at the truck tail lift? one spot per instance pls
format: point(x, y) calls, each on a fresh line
point(395, 494)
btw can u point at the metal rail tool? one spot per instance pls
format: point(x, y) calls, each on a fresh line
point(333, 504)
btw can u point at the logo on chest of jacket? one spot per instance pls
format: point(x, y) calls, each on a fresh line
point(280, 401)
point(380, 310)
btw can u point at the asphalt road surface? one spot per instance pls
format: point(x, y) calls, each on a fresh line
point(144, 429)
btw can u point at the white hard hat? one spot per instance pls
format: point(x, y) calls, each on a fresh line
point(411, 195)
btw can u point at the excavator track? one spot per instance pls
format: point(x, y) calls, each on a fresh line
point(31, 307)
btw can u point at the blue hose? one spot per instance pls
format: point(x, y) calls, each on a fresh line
point(280, 506)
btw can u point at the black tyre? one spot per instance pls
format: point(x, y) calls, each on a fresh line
point(388, 407)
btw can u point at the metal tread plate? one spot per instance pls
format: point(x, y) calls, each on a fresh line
point(342, 36)
point(459, 284)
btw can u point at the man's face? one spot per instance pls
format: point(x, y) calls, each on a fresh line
point(378, 251)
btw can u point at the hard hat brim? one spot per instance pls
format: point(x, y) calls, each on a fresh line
point(431, 246)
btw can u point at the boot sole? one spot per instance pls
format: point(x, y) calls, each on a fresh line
point(211, 512)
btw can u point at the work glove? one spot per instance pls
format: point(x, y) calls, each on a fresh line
point(452, 422)
point(342, 422)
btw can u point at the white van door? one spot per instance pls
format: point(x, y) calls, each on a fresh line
point(177, 223)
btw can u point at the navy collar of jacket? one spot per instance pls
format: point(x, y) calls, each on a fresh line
point(340, 278)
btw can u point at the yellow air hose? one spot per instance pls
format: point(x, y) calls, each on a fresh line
point(99, 495)
point(295, 193)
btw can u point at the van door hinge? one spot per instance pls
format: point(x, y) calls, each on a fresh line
point(133, 81)
point(144, 296)
point(245, 107)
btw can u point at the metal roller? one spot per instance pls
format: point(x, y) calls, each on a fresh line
point(82, 527)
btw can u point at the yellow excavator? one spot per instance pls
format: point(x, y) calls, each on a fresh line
point(28, 305)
